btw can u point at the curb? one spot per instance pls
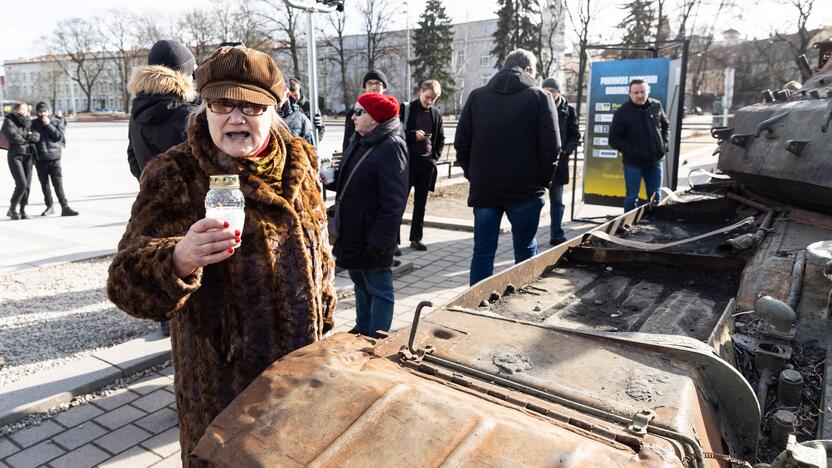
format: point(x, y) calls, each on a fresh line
point(48, 389)
point(450, 224)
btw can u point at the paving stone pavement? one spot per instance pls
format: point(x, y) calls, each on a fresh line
point(137, 426)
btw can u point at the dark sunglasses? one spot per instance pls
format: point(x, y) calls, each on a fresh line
point(359, 112)
point(226, 106)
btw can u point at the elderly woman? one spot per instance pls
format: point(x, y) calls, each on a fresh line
point(233, 310)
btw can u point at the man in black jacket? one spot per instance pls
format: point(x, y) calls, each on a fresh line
point(165, 94)
point(639, 131)
point(570, 137)
point(374, 81)
point(17, 127)
point(51, 133)
point(372, 187)
point(507, 143)
point(425, 139)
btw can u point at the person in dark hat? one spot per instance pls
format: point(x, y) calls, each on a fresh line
point(372, 185)
point(165, 96)
point(49, 159)
point(237, 299)
point(374, 81)
point(570, 137)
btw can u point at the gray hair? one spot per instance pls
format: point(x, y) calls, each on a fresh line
point(202, 109)
point(521, 58)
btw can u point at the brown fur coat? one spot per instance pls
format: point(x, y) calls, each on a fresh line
point(230, 320)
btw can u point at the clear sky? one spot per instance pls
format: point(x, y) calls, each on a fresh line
point(25, 22)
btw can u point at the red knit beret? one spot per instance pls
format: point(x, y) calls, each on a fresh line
point(381, 107)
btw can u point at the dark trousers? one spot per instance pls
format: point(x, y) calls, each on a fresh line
point(21, 169)
point(421, 179)
point(47, 170)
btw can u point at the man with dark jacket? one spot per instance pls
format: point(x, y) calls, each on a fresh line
point(639, 131)
point(49, 159)
point(507, 143)
point(165, 94)
point(17, 127)
point(372, 188)
point(425, 139)
point(297, 97)
point(374, 81)
point(570, 137)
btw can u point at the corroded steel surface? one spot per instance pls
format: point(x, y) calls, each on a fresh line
point(336, 403)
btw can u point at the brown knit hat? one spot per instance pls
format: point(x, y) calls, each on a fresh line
point(241, 74)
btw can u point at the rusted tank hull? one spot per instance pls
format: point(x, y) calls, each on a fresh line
point(779, 150)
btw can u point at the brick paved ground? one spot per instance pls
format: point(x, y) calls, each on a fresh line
point(137, 426)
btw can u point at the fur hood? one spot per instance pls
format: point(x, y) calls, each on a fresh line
point(158, 79)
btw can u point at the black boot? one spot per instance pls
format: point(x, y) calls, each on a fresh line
point(23, 214)
point(67, 211)
point(13, 214)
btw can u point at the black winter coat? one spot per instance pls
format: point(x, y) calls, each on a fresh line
point(570, 138)
point(507, 140)
point(296, 120)
point(157, 124)
point(640, 133)
point(22, 139)
point(164, 99)
point(49, 147)
point(307, 108)
point(371, 208)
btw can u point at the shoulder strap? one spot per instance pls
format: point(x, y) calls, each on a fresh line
point(352, 173)
point(346, 184)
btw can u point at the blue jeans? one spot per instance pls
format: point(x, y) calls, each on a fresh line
point(373, 300)
point(556, 211)
point(524, 218)
point(633, 174)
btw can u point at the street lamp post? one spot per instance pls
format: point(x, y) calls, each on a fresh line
point(408, 84)
point(311, 53)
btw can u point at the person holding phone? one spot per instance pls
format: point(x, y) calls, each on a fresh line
point(425, 138)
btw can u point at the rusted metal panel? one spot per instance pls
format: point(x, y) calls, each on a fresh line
point(337, 403)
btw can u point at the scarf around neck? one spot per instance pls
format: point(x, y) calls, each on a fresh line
point(268, 163)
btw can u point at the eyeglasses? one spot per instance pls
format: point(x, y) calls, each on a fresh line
point(226, 106)
point(359, 112)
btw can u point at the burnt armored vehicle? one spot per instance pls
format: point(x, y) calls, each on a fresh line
point(693, 333)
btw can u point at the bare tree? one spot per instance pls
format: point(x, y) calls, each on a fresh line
point(551, 17)
point(119, 30)
point(336, 40)
point(581, 23)
point(75, 48)
point(282, 23)
point(799, 42)
point(376, 16)
point(197, 30)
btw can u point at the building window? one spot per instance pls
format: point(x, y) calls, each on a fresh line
point(484, 79)
point(460, 59)
point(485, 58)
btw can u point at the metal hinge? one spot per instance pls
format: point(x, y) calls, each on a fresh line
point(640, 422)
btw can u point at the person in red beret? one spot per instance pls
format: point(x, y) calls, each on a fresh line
point(372, 185)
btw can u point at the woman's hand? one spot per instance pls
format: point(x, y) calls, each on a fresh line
point(207, 241)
